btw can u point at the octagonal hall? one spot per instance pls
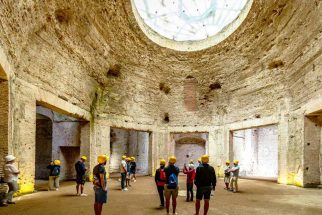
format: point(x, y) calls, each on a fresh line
point(133, 82)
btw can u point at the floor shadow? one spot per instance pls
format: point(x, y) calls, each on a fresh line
point(68, 195)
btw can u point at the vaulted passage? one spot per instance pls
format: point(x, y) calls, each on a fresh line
point(189, 147)
point(58, 137)
point(257, 151)
point(132, 144)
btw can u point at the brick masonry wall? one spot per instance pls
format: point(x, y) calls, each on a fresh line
point(4, 108)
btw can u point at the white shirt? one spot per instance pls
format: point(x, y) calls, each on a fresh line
point(10, 173)
point(123, 166)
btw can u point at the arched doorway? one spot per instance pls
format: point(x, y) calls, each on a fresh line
point(189, 146)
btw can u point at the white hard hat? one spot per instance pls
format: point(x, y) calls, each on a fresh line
point(10, 158)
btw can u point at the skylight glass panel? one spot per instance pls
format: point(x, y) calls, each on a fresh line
point(189, 20)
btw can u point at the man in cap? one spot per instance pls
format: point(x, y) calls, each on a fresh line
point(227, 174)
point(133, 169)
point(171, 187)
point(54, 172)
point(160, 179)
point(205, 181)
point(100, 184)
point(234, 177)
point(123, 170)
point(80, 175)
point(11, 173)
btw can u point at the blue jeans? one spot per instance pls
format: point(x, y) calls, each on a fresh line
point(123, 178)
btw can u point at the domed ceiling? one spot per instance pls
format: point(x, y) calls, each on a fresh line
point(83, 39)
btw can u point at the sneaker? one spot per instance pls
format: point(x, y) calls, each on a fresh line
point(83, 194)
point(125, 189)
point(57, 189)
point(134, 180)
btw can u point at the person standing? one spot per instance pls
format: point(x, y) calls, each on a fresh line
point(160, 179)
point(205, 181)
point(80, 176)
point(11, 173)
point(234, 177)
point(171, 187)
point(191, 173)
point(123, 170)
point(133, 169)
point(54, 172)
point(227, 174)
point(100, 184)
point(128, 172)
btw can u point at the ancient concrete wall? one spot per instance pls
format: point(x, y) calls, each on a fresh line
point(4, 118)
point(312, 150)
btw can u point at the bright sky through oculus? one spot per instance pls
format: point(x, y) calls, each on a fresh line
point(189, 20)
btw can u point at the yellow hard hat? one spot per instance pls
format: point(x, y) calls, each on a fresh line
point(84, 158)
point(236, 161)
point(57, 162)
point(172, 160)
point(205, 159)
point(199, 159)
point(133, 158)
point(102, 159)
point(227, 161)
point(124, 157)
point(162, 162)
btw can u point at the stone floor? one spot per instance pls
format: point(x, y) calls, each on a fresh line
point(255, 197)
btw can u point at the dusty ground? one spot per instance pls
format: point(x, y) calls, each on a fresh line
point(255, 197)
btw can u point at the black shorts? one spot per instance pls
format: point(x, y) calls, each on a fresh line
point(203, 193)
point(80, 179)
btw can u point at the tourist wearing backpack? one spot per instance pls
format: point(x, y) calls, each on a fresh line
point(205, 181)
point(160, 179)
point(171, 187)
point(54, 173)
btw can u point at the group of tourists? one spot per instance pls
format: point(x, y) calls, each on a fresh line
point(54, 175)
point(231, 176)
point(128, 172)
point(166, 179)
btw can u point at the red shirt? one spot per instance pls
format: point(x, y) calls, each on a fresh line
point(191, 174)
